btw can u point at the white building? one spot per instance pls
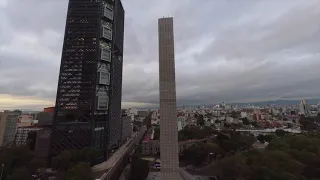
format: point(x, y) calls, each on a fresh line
point(303, 108)
point(181, 122)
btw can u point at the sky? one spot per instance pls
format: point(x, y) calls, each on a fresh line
point(225, 51)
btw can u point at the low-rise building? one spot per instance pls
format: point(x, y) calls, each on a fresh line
point(25, 120)
point(143, 113)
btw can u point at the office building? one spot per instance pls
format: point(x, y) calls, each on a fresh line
point(22, 135)
point(169, 151)
point(8, 127)
point(88, 102)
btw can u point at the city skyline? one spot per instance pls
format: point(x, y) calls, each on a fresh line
point(261, 67)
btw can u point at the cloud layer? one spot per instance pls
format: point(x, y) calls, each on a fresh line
point(225, 50)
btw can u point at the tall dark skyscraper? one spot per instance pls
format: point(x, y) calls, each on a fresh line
point(88, 103)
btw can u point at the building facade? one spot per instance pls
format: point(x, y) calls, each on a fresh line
point(8, 127)
point(126, 128)
point(22, 135)
point(169, 151)
point(88, 102)
point(25, 120)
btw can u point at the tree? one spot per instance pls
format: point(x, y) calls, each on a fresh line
point(234, 114)
point(21, 173)
point(227, 125)
point(199, 153)
point(268, 138)
point(245, 121)
point(264, 138)
point(36, 164)
point(14, 158)
point(68, 159)
point(81, 171)
point(200, 120)
point(139, 169)
point(280, 132)
point(156, 135)
point(62, 162)
point(147, 120)
point(221, 137)
point(31, 140)
point(254, 124)
point(261, 138)
point(229, 145)
point(291, 157)
point(194, 132)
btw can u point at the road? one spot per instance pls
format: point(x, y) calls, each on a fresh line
point(107, 166)
point(125, 172)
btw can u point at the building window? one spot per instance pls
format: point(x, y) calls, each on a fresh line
point(103, 102)
point(106, 55)
point(108, 12)
point(106, 32)
point(104, 78)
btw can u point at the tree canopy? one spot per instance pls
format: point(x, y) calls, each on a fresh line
point(139, 168)
point(199, 153)
point(287, 157)
point(81, 171)
point(73, 162)
point(195, 132)
point(15, 159)
point(147, 120)
point(200, 120)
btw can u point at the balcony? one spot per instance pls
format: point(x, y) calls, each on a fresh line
point(104, 78)
point(106, 32)
point(102, 102)
point(108, 12)
point(106, 55)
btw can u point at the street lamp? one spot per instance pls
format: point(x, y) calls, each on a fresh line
point(211, 156)
point(2, 171)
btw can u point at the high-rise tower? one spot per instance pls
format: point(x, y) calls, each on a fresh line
point(88, 103)
point(169, 152)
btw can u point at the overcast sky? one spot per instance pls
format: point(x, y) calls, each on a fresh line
point(226, 50)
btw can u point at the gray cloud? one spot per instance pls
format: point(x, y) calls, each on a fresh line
point(225, 50)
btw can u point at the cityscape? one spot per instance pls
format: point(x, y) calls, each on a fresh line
point(232, 103)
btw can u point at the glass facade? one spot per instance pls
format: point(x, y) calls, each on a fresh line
point(90, 84)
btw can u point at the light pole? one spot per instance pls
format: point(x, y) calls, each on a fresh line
point(2, 171)
point(211, 156)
